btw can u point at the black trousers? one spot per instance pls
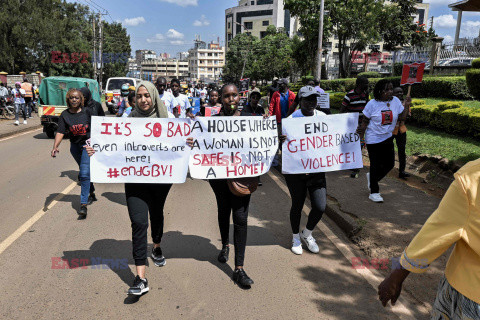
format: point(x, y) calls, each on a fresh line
point(401, 141)
point(143, 198)
point(298, 185)
point(227, 203)
point(382, 160)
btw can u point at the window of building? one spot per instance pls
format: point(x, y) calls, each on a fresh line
point(263, 34)
point(229, 25)
point(249, 25)
point(210, 69)
point(229, 37)
point(252, 3)
point(210, 54)
point(265, 23)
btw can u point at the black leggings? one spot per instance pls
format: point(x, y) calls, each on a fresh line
point(143, 198)
point(226, 203)
point(298, 185)
point(401, 140)
point(382, 160)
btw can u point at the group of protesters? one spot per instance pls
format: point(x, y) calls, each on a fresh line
point(381, 120)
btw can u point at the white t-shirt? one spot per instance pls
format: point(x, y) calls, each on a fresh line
point(18, 99)
point(299, 114)
point(182, 101)
point(168, 99)
point(203, 93)
point(383, 117)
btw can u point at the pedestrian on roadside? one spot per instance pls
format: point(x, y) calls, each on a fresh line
point(19, 101)
point(228, 202)
point(167, 97)
point(29, 97)
point(400, 134)
point(144, 199)
point(299, 184)
point(253, 88)
point(131, 103)
point(94, 106)
point(182, 108)
point(213, 102)
point(355, 101)
point(75, 120)
point(3, 92)
point(380, 117)
point(253, 107)
point(456, 221)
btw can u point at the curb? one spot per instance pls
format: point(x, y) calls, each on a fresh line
point(12, 133)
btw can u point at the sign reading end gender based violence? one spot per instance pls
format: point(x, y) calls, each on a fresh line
point(139, 150)
point(232, 147)
point(321, 144)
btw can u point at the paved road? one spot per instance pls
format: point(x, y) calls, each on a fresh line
point(192, 285)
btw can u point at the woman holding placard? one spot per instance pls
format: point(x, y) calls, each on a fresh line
point(211, 106)
point(380, 117)
point(145, 198)
point(229, 200)
point(299, 184)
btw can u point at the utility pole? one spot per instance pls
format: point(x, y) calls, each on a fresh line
point(100, 50)
point(94, 49)
point(320, 37)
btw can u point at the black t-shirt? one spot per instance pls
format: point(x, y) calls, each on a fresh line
point(76, 124)
point(250, 111)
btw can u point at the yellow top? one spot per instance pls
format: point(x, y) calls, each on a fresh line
point(456, 221)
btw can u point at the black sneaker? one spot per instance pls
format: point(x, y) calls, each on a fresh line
point(240, 277)
point(91, 198)
point(139, 287)
point(157, 257)
point(223, 255)
point(83, 210)
point(403, 175)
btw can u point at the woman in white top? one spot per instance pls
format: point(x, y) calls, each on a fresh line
point(380, 117)
point(183, 108)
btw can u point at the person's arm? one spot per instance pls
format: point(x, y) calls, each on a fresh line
point(100, 111)
point(271, 107)
point(293, 107)
point(56, 144)
point(345, 104)
point(403, 115)
point(442, 229)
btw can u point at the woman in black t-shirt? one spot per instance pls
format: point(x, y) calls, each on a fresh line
point(76, 121)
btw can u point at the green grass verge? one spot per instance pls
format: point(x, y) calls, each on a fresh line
point(433, 142)
point(467, 103)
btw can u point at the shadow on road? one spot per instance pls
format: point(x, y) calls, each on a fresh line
point(72, 174)
point(116, 197)
point(70, 198)
point(41, 136)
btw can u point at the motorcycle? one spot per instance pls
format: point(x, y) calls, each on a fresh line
point(6, 110)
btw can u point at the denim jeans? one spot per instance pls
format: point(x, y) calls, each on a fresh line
point(18, 107)
point(81, 157)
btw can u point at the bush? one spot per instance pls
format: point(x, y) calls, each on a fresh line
point(455, 120)
point(397, 69)
point(370, 74)
point(336, 100)
point(447, 105)
point(472, 77)
point(424, 114)
point(476, 63)
point(418, 102)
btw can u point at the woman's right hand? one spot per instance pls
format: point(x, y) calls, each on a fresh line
point(282, 138)
point(54, 152)
point(90, 150)
point(190, 141)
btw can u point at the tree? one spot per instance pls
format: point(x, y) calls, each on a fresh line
point(275, 54)
point(241, 57)
point(399, 28)
point(116, 41)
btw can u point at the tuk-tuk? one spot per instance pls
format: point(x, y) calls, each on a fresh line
point(53, 92)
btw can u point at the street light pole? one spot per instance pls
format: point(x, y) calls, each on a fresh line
point(320, 37)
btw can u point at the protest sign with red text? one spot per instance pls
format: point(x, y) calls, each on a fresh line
point(412, 73)
point(139, 150)
point(232, 147)
point(321, 144)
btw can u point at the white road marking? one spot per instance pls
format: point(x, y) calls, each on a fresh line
point(21, 134)
point(24, 227)
point(374, 278)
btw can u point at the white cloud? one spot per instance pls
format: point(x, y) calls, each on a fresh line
point(182, 3)
point(132, 22)
point(445, 21)
point(470, 28)
point(158, 38)
point(203, 22)
point(174, 34)
point(447, 39)
point(177, 42)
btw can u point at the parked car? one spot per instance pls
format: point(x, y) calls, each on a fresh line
point(112, 91)
point(460, 61)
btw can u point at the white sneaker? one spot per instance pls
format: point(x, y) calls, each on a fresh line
point(24, 121)
point(17, 123)
point(368, 180)
point(297, 246)
point(310, 243)
point(375, 197)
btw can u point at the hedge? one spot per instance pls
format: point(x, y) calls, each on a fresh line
point(442, 106)
point(370, 74)
point(473, 81)
point(476, 63)
point(336, 100)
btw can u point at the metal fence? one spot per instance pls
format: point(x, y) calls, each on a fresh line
point(465, 48)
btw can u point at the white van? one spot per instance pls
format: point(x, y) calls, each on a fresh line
point(112, 91)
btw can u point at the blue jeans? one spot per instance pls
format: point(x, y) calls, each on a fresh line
point(20, 107)
point(81, 157)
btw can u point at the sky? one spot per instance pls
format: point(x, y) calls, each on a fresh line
point(171, 25)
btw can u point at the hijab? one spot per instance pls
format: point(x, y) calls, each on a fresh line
point(158, 109)
point(87, 95)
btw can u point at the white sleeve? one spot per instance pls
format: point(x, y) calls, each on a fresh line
point(367, 111)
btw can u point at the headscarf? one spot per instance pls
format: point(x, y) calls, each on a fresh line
point(158, 109)
point(87, 94)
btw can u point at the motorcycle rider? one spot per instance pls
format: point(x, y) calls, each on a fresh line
point(124, 100)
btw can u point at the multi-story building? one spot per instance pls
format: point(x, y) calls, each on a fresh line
point(182, 55)
point(205, 62)
point(141, 55)
point(254, 16)
point(151, 69)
